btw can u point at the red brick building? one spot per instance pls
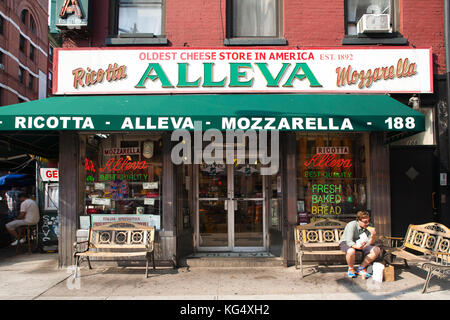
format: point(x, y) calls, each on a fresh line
point(209, 208)
point(24, 50)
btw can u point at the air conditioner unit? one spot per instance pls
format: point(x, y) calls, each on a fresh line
point(374, 23)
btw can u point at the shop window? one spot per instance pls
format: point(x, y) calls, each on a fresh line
point(332, 176)
point(123, 176)
point(137, 22)
point(256, 21)
point(372, 22)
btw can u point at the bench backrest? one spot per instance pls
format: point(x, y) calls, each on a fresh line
point(428, 238)
point(321, 231)
point(122, 235)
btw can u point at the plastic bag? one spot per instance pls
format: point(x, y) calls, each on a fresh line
point(378, 272)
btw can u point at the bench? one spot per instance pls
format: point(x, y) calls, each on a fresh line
point(318, 238)
point(121, 239)
point(426, 245)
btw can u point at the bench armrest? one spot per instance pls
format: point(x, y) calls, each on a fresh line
point(392, 242)
point(77, 245)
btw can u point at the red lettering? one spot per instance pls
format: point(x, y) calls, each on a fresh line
point(124, 164)
point(328, 161)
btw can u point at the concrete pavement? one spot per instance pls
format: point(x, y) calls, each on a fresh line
point(37, 277)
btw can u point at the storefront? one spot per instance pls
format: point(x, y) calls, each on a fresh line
point(224, 150)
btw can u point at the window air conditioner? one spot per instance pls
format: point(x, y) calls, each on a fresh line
point(374, 23)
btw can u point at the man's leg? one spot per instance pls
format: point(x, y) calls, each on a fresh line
point(12, 230)
point(350, 257)
point(369, 258)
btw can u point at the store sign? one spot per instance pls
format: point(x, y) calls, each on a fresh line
point(142, 219)
point(121, 151)
point(71, 13)
point(147, 71)
point(49, 174)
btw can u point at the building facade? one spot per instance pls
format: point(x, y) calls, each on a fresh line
point(24, 47)
point(354, 88)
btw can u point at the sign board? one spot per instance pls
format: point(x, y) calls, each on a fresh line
point(143, 219)
point(334, 70)
point(49, 174)
point(71, 13)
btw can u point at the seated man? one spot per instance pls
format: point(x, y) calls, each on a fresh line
point(29, 215)
point(358, 237)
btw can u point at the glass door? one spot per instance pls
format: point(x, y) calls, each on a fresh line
point(213, 212)
point(231, 208)
point(249, 209)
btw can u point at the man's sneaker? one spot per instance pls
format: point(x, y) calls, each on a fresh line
point(363, 272)
point(14, 243)
point(351, 273)
point(23, 240)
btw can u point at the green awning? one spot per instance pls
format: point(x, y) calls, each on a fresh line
point(223, 111)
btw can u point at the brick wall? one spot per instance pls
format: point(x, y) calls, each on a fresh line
point(202, 23)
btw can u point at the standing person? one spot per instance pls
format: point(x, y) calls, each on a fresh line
point(29, 215)
point(358, 237)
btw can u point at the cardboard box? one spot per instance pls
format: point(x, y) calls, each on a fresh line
point(389, 273)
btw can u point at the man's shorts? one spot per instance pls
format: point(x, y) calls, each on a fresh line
point(13, 225)
point(366, 250)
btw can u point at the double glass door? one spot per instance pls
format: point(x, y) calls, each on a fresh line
point(231, 210)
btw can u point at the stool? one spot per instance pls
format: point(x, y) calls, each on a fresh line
point(29, 233)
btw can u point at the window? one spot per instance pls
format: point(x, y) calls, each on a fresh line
point(255, 18)
point(332, 175)
point(22, 43)
point(50, 53)
point(23, 16)
point(32, 25)
point(50, 79)
point(31, 52)
point(140, 17)
point(1, 25)
point(137, 22)
point(123, 175)
point(357, 8)
point(30, 82)
point(254, 22)
point(21, 75)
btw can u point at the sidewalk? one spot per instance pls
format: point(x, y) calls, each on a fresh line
point(37, 277)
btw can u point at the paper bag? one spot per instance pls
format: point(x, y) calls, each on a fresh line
point(388, 273)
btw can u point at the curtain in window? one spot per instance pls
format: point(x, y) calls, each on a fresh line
point(255, 18)
point(140, 16)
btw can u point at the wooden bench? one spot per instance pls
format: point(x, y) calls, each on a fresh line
point(426, 245)
point(120, 239)
point(318, 238)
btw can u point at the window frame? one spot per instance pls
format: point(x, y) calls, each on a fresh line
point(388, 38)
point(137, 39)
point(231, 39)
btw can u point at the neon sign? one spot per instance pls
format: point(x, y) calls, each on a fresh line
point(328, 161)
point(123, 164)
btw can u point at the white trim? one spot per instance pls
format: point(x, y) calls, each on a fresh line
point(22, 33)
point(14, 91)
point(17, 60)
